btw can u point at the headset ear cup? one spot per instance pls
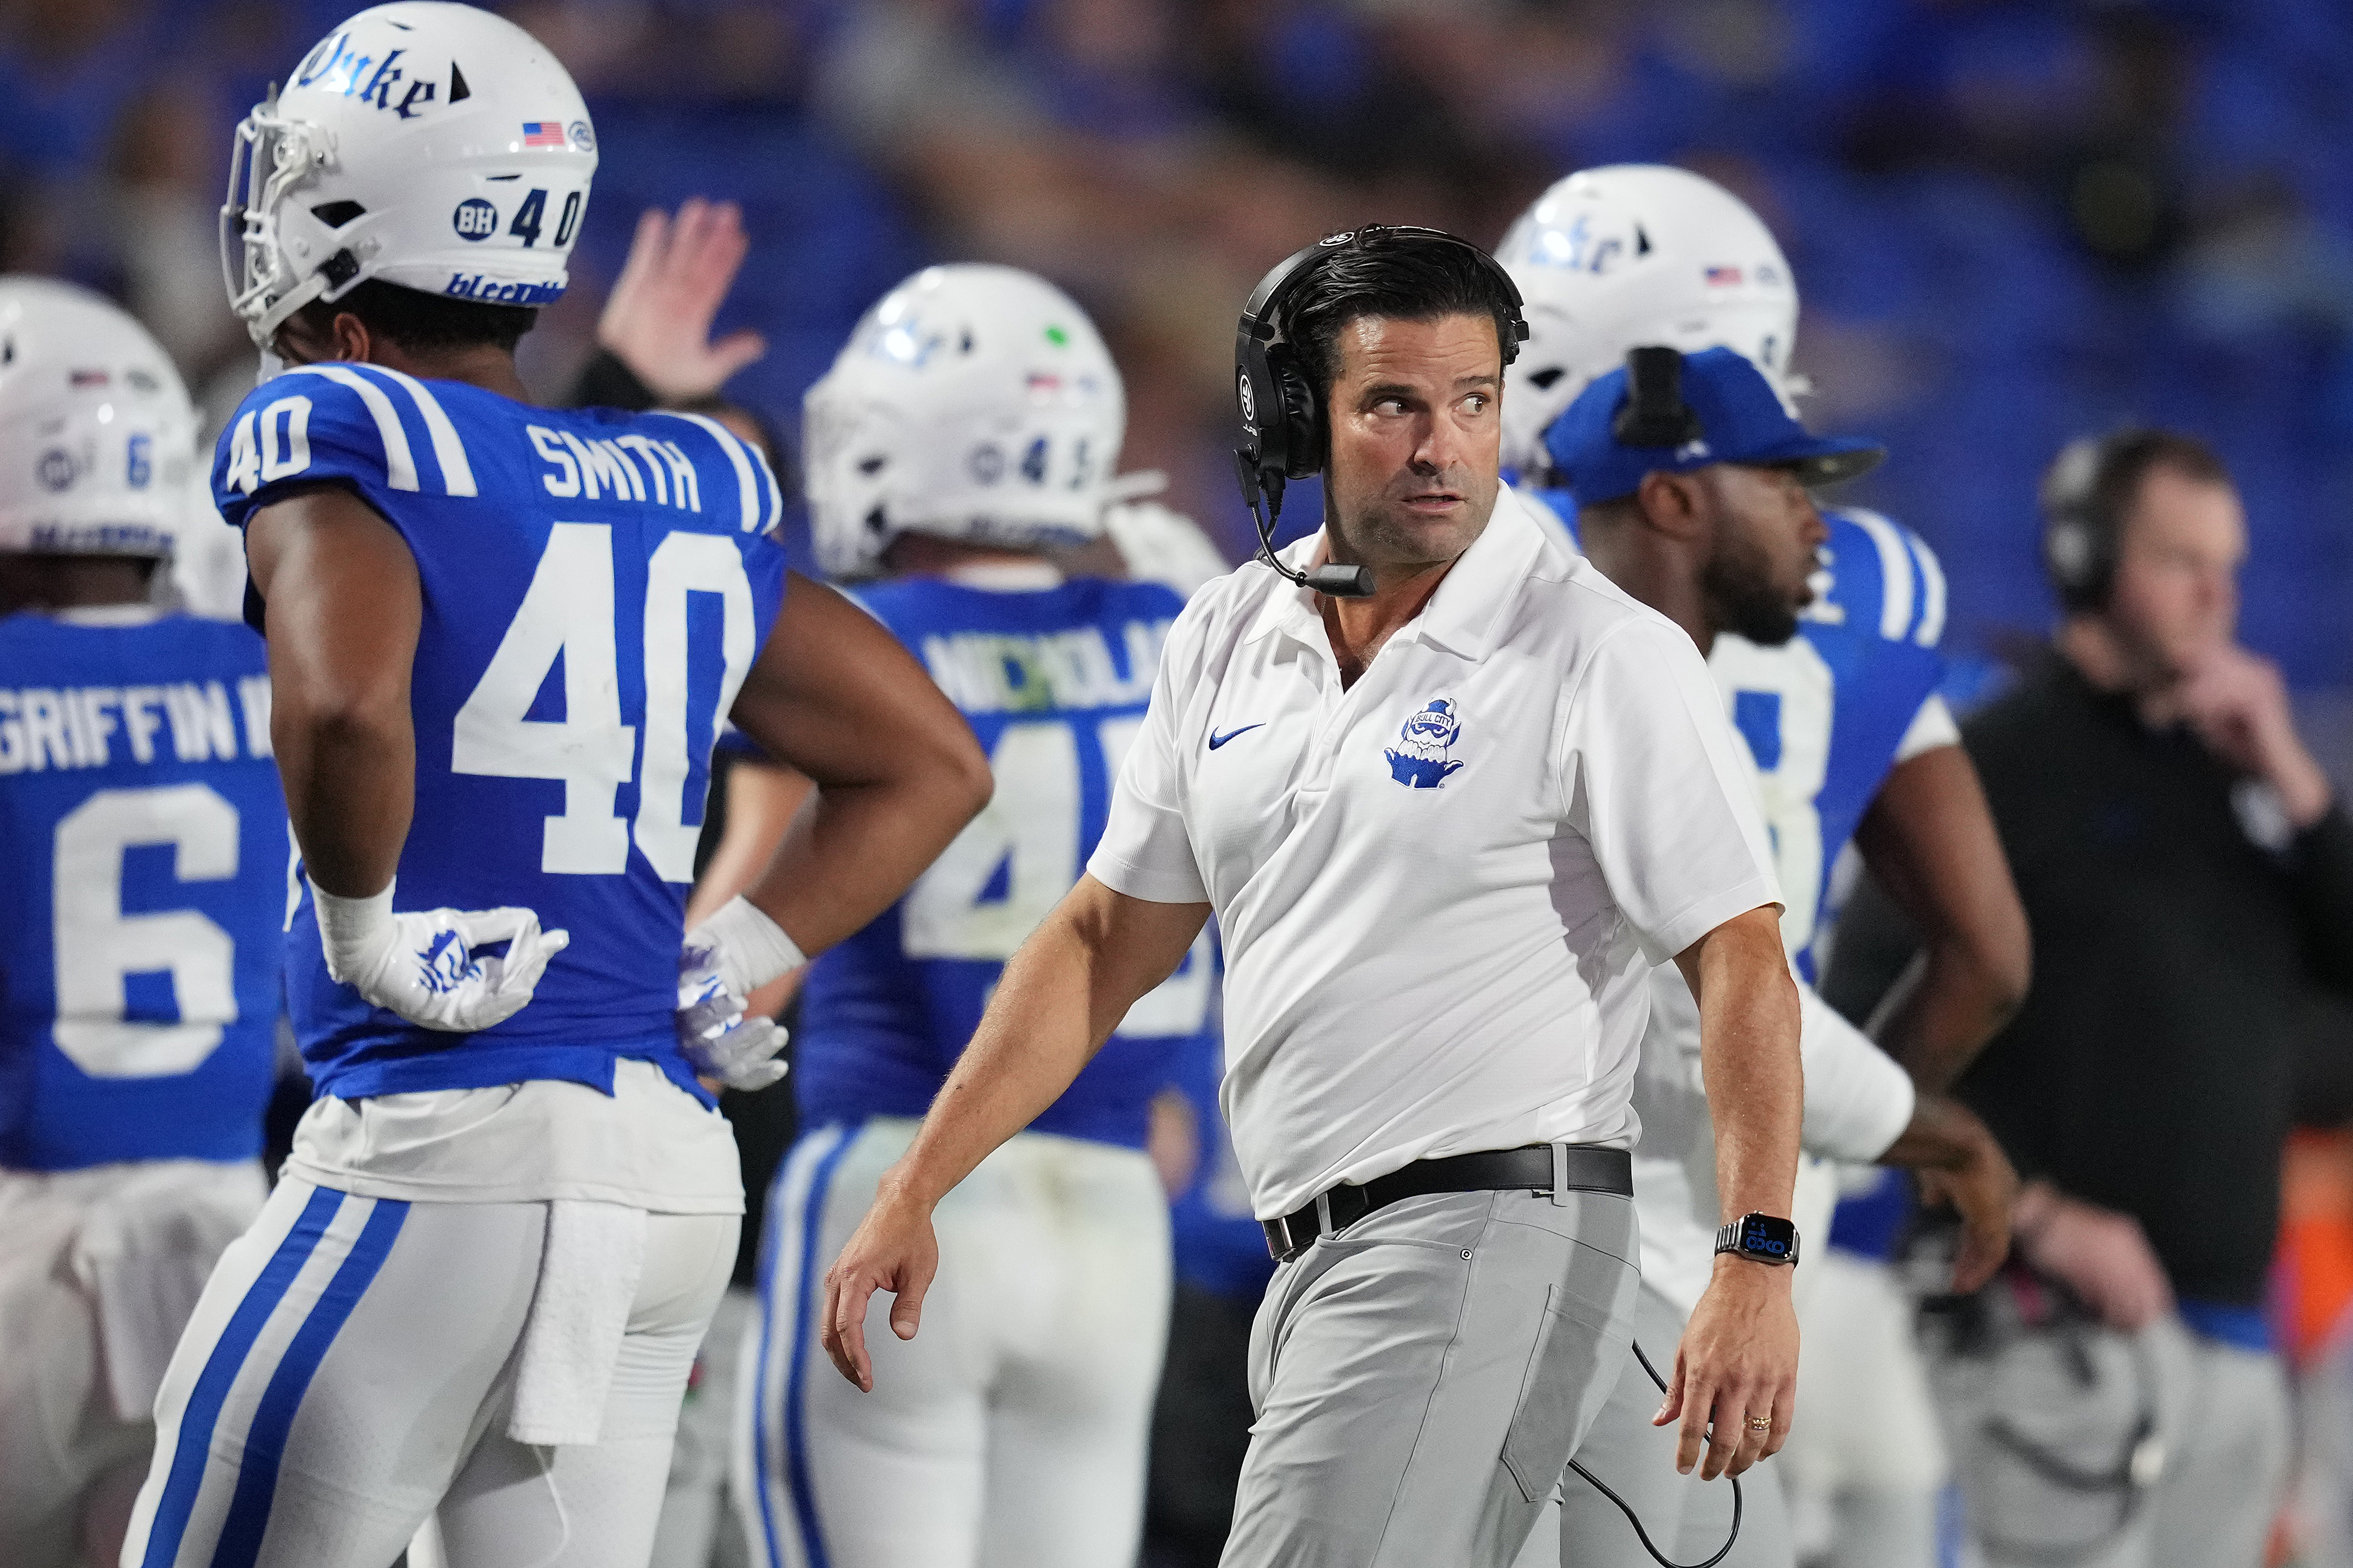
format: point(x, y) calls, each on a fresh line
point(1261, 438)
point(1303, 421)
point(2065, 546)
point(2074, 550)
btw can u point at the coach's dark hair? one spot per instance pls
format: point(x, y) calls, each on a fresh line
point(415, 320)
point(1404, 276)
point(2088, 494)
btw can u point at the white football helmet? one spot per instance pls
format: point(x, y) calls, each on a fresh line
point(1629, 255)
point(1158, 544)
point(96, 433)
point(435, 146)
point(973, 403)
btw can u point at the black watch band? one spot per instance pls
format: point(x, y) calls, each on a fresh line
point(1760, 1238)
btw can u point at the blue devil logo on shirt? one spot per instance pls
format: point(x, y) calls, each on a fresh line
point(1419, 759)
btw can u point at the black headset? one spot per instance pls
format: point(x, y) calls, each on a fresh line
point(2079, 519)
point(1654, 413)
point(1283, 435)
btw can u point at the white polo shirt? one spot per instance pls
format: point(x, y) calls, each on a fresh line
point(1440, 891)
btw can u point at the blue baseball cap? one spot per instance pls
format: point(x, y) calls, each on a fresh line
point(1740, 418)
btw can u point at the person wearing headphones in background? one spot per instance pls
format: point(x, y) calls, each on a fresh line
point(1452, 796)
point(2114, 1399)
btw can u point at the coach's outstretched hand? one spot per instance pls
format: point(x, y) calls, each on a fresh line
point(1738, 1364)
point(428, 964)
point(892, 1250)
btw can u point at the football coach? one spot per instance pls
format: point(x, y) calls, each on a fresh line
point(1452, 796)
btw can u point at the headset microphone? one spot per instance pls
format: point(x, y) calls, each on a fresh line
point(1340, 581)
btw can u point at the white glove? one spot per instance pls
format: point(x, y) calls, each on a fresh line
point(725, 958)
point(424, 965)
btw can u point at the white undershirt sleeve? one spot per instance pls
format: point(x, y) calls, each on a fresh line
point(1931, 727)
point(1858, 1100)
point(1653, 780)
point(1146, 851)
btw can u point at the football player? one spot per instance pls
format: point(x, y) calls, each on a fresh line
point(502, 638)
point(971, 426)
point(1834, 687)
point(143, 836)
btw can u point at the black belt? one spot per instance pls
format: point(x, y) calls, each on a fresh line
point(1538, 1168)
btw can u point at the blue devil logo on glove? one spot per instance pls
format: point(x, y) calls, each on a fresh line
point(447, 964)
point(1419, 759)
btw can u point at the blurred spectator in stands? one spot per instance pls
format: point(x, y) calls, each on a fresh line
point(165, 193)
point(2189, 875)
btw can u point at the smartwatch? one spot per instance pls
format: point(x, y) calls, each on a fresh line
point(1761, 1237)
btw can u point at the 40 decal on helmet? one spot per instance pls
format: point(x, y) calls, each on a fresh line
point(434, 146)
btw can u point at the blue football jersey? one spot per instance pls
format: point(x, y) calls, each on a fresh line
point(595, 586)
point(144, 839)
point(1824, 714)
point(1054, 682)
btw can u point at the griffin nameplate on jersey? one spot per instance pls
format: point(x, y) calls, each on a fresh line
point(140, 810)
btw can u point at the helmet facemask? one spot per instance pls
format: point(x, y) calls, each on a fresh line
point(272, 156)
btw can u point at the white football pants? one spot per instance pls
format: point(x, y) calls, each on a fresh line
point(350, 1372)
point(1011, 1432)
point(1865, 1461)
point(99, 1271)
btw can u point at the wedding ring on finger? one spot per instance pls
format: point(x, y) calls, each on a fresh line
point(1761, 1423)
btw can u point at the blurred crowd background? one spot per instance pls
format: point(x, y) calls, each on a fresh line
point(2011, 220)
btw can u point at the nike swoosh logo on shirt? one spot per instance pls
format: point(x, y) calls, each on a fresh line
point(1217, 740)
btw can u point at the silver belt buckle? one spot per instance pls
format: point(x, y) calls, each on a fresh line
point(1323, 1212)
point(1560, 1175)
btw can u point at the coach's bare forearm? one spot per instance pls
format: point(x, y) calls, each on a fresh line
point(1062, 995)
point(344, 607)
point(1734, 1387)
point(1748, 1055)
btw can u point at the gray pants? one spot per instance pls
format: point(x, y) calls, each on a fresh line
point(2220, 1414)
point(1421, 1377)
point(1687, 1518)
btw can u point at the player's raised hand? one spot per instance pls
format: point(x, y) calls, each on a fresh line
point(658, 318)
point(892, 1250)
point(428, 966)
